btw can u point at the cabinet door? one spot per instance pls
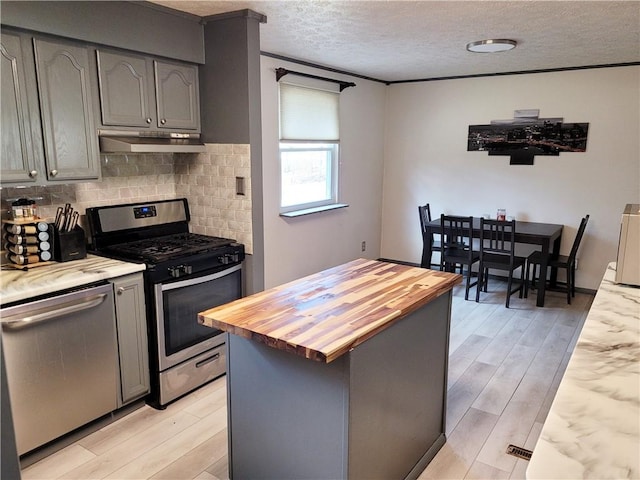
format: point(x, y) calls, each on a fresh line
point(177, 95)
point(132, 337)
point(66, 105)
point(21, 150)
point(126, 90)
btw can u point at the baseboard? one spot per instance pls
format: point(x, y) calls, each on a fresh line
point(400, 262)
point(417, 470)
point(561, 285)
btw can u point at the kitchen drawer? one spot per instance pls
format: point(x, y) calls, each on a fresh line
point(184, 378)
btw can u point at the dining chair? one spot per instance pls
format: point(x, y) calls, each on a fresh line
point(436, 246)
point(457, 246)
point(497, 252)
point(568, 263)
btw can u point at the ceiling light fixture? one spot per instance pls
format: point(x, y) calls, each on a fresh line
point(491, 46)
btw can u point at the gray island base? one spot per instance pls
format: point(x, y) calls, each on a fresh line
point(377, 411)
point(338, 375)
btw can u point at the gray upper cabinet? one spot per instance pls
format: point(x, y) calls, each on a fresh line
point(65, 85)
point(126, 90)
point(142, 93)
point(48, 131)
point(21, 150)
point(177, 94)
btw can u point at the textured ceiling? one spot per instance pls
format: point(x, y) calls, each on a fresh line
point(410, 40)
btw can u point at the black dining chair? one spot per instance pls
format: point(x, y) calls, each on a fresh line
point(568, 263)
point(497, 252)
point(436, 246)
point(457, 246)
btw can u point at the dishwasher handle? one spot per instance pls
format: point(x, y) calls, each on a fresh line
point(14, 322)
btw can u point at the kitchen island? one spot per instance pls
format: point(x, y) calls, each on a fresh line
point(341, 374)
point(593, 426)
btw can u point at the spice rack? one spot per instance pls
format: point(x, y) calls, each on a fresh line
point(27, 243)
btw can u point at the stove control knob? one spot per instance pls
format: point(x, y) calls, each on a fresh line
point(180, 270)
point(224, 259)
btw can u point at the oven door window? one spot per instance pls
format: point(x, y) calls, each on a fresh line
point(182, 301)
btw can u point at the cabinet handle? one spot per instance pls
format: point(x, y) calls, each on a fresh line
point(33, 173)
point(149, 120)
point(163, 121)
point(53, 173)
point(120, 290)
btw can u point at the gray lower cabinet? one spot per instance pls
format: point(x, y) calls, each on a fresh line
point(133, 350)
point(143, 93)
point(48, 127)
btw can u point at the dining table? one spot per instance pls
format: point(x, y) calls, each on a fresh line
point(545, 235)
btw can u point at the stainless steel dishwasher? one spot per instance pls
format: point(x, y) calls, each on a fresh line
point(60, 357)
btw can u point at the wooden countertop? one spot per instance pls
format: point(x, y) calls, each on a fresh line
point(326, 314)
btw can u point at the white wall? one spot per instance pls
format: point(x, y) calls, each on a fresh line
point(426, 158)
point(295, 247)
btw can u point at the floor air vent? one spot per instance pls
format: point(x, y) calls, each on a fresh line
point(519, 452)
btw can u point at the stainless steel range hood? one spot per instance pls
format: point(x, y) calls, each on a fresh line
point(148, 142)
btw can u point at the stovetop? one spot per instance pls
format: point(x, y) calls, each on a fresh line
point(168, 247)
point(157, 233)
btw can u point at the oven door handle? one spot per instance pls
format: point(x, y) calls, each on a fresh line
point(198, 280)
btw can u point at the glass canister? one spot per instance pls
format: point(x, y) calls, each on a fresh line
point(23, 209)
point(502, 214)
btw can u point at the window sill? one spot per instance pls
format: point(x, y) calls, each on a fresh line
point(309, 211)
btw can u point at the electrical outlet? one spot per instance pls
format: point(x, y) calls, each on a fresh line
point(364, 245)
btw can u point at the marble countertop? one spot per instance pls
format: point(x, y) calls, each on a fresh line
point(18, 285)
point(593, 427)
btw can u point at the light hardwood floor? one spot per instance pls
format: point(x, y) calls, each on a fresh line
point(504, 369)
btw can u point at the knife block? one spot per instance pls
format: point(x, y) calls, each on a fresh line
point(69, 245)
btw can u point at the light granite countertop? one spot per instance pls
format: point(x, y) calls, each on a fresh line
point(593, 427)
point(18, 285)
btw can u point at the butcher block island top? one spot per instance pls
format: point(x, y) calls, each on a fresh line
point(324, 315)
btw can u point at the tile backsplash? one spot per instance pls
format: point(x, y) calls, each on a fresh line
point(207, 180)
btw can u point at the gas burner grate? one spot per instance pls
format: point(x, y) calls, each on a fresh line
point(166, 247)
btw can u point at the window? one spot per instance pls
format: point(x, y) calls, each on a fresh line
point(308, 172)
point(309, 138)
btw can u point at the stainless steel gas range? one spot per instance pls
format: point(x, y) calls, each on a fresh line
point(186, 274)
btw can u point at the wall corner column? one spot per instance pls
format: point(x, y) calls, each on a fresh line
point(230, 108)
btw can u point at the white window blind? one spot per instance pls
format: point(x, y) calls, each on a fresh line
point(308, 114)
